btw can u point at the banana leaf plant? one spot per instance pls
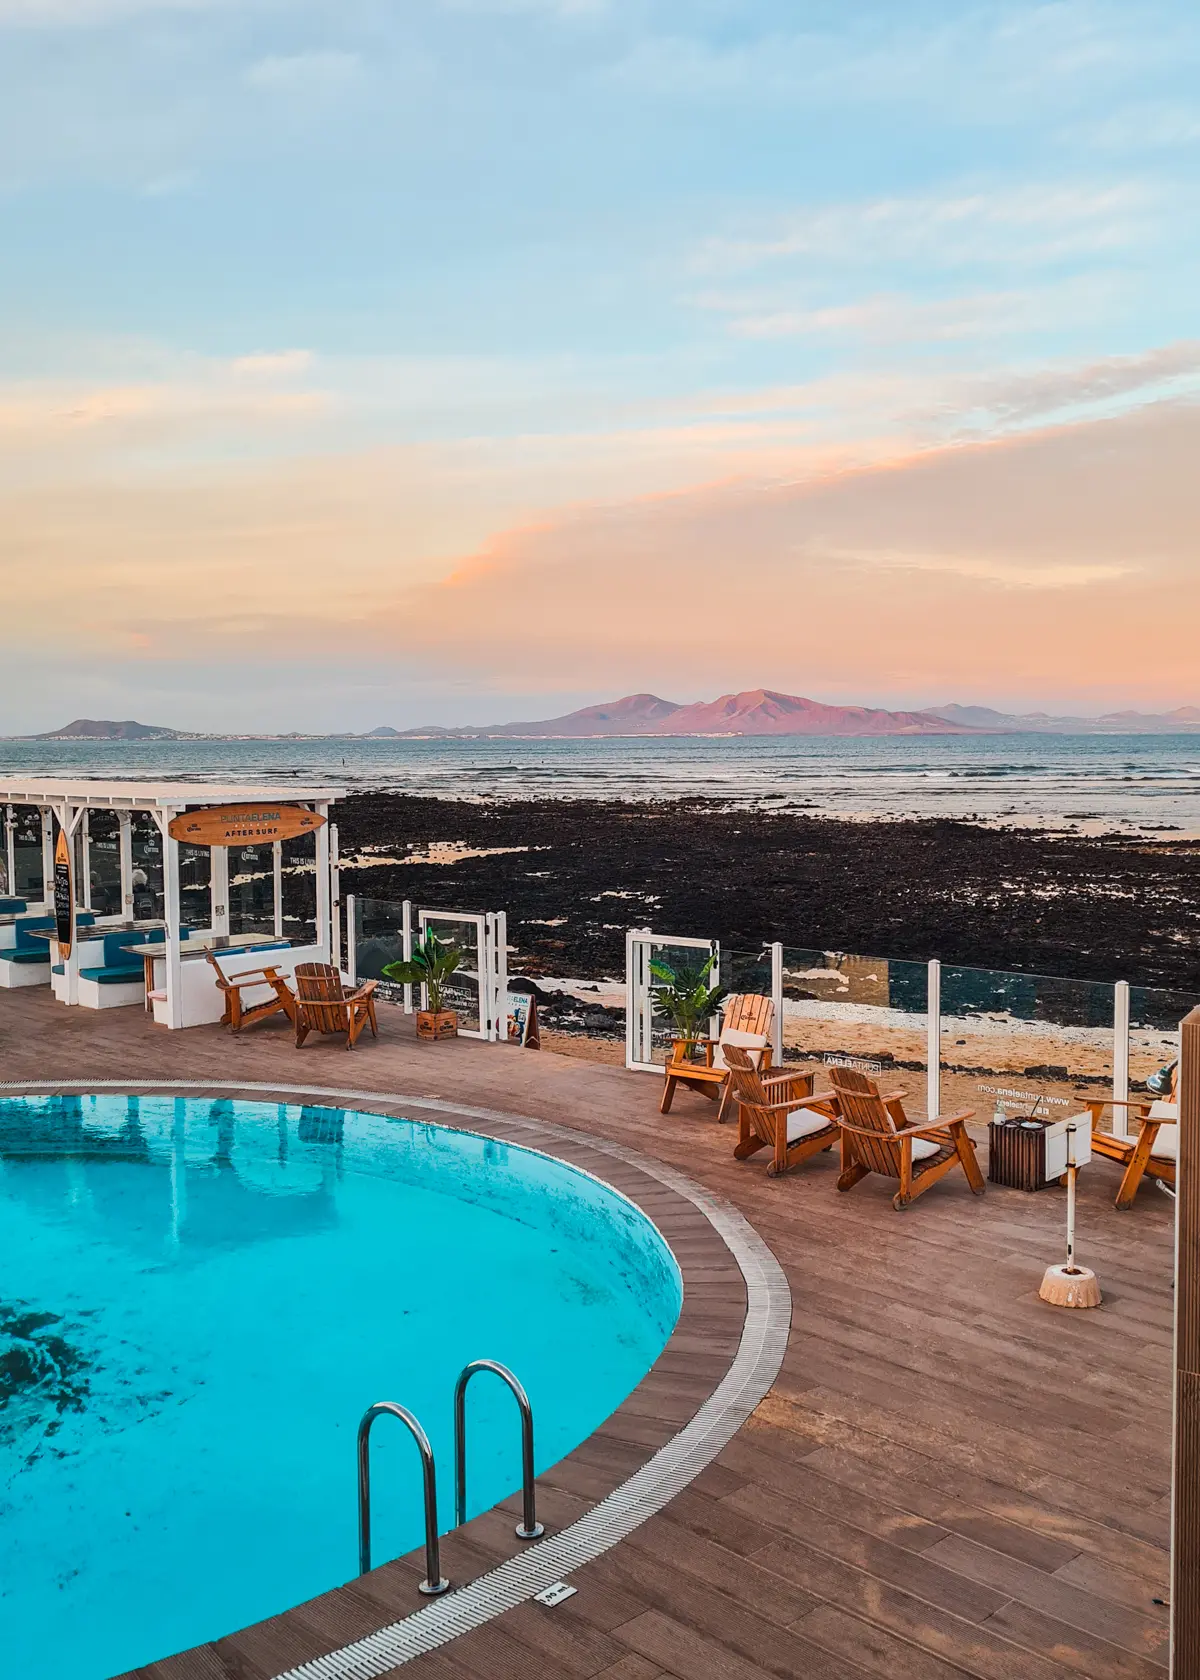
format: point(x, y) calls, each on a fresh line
point(432, 963)
point(685, 995)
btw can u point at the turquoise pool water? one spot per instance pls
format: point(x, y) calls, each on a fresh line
point(199, 1299)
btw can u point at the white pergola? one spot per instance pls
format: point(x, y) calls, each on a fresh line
point(70, 802)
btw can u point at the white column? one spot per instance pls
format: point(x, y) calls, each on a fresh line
point(500, 976)
point(406, 949)
point(351, 942)
point(777, 1000)
point(1121, 1057)
point(335, 884)
point(933, 1054)
point(171, 911)
point(10, 847)
point(218, 888)
point(323, 883)
point(277, 878)
point(629, 1003)
point(85, 855)
point(47, 857)
point(126, 821)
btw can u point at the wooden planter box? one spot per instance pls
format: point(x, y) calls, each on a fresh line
point(442, 1025)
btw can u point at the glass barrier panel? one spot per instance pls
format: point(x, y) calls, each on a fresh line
point(379, 940)
point(298, 862)
point(746, 971)
point(867, 1012)
point(27, 880)
point(104, 862)
point(681, 968)
point(1024, 1042)
point(586, 1017)
point(195, 887)
point(461, 991)
point(251, 889)
point(147, 867)
point(1154, 1020)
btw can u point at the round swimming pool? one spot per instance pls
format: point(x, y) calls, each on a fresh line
point(198, 1300)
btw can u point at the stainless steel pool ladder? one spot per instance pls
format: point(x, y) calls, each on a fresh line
point(434, 1582)
point(529, 1528)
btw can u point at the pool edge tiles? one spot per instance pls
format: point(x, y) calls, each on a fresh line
point(593, 1189)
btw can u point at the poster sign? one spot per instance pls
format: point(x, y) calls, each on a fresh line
point(64, 896)
point(243, 825)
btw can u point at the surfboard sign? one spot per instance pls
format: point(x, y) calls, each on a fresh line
point(243, 825)
point(64, 896)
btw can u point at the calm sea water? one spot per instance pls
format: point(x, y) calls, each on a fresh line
point(198, 1301)
point(1138, 781)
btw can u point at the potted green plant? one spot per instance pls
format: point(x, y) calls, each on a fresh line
point(431, 965)
point(686, 996)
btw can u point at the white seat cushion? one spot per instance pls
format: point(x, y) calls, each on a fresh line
point(1166, 1145)
point(805, 1122)
point(753, 1043)
point(923, 1148)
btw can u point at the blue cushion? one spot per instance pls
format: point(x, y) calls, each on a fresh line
point(59, 968)
point(25, 954)
point(115, 976)
point(11, 906)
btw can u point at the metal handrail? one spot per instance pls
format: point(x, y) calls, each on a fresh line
point(434, 1581)
point(529, 1528)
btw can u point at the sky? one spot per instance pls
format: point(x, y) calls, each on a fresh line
point(462, 360)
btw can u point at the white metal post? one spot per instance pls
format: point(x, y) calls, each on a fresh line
point(630, 997)
point(335, 884)
point(47, 857)
point(499, 923)
point(218, 888)
point(173, 918)
point(277, 885)
point(406, 949)
point(1120, 1116)
point(125, 819)
point(323, 939)
point(351, 941)
point(777, 1000)
point(85, 854)
point(933, 1054)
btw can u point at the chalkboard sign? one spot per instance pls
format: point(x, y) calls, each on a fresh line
point(64, 897)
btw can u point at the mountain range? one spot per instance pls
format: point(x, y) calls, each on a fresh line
point(756, 711)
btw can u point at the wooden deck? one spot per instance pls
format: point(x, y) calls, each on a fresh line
point(949, 1478)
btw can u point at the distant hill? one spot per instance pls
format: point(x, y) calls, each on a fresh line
point(757, 711)
point(104, 729)
point(1184, 720)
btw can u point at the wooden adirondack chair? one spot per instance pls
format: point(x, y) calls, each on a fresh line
point(746, 1021)
point(324, 1006)
point(1153, 1153)
point(779, 1111)
point(239, 1014)
point(876, 1137)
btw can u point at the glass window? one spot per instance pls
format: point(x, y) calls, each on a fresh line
point(104, 862)
point(27, 853)
point(251, 889)
point(195, 887)
point(147, 867)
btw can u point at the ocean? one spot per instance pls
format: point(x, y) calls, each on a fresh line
point(1138, 783)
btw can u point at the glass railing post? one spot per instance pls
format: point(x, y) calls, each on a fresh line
point(1120, 1121)
point(777, 1002)
point(933, 1055)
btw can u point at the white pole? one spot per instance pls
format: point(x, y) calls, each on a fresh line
point(1120, 1057)
point(933, 1075)
point(630, 1001)
point(323, 897)
point(277, 884)
point(218, 886)
point(71, 822)
point(335, 882)
point(500, 926)
point(10, 848)
point(125, 819)
point(47, 858)
point(351, 941)
point(85, 849)
point(406, 951)
point(171, 910)
point(777, 1000)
